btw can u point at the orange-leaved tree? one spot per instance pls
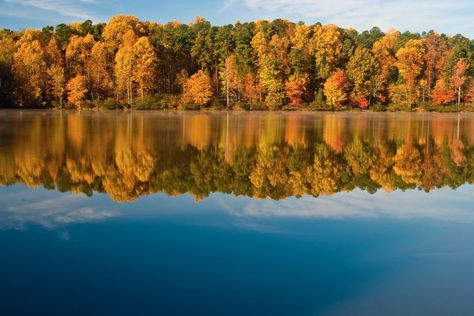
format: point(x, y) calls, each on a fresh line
point(335, 89)
point(296, 87)
point(459, 78)
point(77, 90)
point(198, 89)
point(442, 93)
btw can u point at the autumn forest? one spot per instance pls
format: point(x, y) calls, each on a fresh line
point(128, 63)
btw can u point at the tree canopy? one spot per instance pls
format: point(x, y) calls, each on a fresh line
point(263, 64)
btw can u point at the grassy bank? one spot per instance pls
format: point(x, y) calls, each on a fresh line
point(174, 102)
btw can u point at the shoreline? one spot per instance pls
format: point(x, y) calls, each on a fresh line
point(430, 109)
point(210, 110)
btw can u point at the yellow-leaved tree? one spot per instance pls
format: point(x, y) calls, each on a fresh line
point(124, 66)
point(77, 90)
point(78, 54)
point(101, 70)
point(334, 89)
point(56, 82)
point(53, 53)
point(29, 69)
point(115, 31)
point(198, 89)
point(273, 66)
point(146, 61)
point(231, 80)
point(410, 63)
point(384, 51)
point(326, 47)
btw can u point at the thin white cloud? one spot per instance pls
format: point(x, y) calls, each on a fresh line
point(51, 212)
point(226, 5)
point(67, 8)
point(441, 15)
point(411, 204)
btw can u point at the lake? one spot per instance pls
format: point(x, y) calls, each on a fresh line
point(252, 213)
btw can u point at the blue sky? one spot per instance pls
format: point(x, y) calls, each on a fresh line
point(444, 16)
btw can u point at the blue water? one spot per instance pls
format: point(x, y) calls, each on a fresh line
point(399, 253)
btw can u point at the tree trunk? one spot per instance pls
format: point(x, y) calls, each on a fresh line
point(130, 93)
point(227, 86)
point(429, 85)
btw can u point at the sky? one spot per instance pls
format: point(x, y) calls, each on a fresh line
point(443, 16)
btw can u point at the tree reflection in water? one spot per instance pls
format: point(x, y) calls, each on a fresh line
point(275, 155)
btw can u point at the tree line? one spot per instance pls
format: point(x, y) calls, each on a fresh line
point(256, 65)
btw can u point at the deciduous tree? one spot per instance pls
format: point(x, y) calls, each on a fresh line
point(7, 49)
point(54, 54)
point(384, 51)
point(231, 80)
point(57, 83)
point(361, 71)
point(273, 66)
point(119, 26)
point(459, 77)
point(78, 54)
point(435, 58)
point(327, 49)
point(442, 93)
point(29, 69)
point(101, 70)
point(199, 89)
point(296, 87)
point(410, 63)
point(335, 89)
point(77, 91)
point(124, 66)
point(144, 72)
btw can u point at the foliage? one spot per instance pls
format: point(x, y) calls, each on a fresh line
point(459, 77)
point(334, 89)
point(361, 72)
point(57, 82)
point(326, 47)
point(29, 70)
point(198, 89)
point(410, 63)
point(442, 94)
point(77, 91)
point(146, 63)
point(276, 63)
point(296, 88)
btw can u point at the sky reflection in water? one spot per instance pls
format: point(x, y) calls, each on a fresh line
point(213, 253)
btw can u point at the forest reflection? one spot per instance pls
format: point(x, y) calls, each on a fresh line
point(260, 155)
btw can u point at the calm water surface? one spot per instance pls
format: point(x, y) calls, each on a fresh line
point(151, 213)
